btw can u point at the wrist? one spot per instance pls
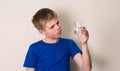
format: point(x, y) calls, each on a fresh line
point(85, 45)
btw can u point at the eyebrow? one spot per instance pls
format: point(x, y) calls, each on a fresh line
point(54, 24)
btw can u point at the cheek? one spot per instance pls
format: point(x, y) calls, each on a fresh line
point(50, 33)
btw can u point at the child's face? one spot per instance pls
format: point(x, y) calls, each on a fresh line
point(53, 29)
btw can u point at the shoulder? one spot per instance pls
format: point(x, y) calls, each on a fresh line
point(35, 44)
point(35, 47)
point(67, 40)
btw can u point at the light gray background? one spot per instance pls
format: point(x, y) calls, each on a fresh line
point(101, 17)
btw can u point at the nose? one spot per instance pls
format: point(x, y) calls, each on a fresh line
point(57, 26)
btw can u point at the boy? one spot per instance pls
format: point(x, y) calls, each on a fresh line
point(53, 52)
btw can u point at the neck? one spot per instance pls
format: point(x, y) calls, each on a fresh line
point(50, 40)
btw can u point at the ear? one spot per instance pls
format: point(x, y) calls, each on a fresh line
point(42, 32)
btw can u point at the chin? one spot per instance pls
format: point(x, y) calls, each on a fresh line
point(58, 36)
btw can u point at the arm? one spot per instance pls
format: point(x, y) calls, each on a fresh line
point(84, 59)
point(30, 69)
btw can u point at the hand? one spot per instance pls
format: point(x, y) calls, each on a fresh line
point(83, 35)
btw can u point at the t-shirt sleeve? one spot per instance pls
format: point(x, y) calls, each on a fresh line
point(74, 49)
point(31, 58)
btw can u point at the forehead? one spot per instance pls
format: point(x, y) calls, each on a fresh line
point(52, 22)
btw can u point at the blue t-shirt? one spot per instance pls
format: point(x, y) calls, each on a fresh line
point(51, 56)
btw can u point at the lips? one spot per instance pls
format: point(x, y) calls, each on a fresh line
point(59, 32)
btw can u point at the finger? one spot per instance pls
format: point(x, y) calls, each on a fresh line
point(75, 32)
point(84, 30)
point(78, 34)
point(82, 27)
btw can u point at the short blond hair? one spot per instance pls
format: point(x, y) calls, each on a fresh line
point(43, 16)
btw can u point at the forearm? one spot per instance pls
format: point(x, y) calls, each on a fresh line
point(86, 59)
point(30, 69)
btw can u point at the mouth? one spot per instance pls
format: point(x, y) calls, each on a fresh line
point(59, 32)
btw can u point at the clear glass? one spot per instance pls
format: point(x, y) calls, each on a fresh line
point(77, 25)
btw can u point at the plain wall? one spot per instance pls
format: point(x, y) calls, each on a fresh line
point(101, 17)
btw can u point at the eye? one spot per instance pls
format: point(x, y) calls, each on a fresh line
point(52, 27)
point(58, 23)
